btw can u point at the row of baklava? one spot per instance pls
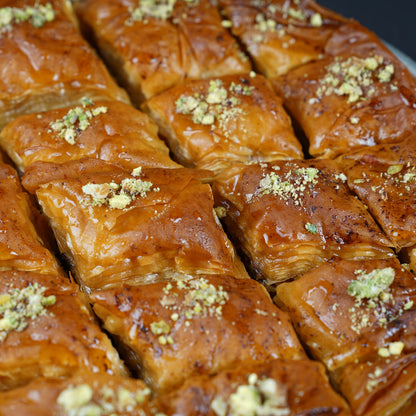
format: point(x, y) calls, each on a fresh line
point(140, 235)
point(144, 240)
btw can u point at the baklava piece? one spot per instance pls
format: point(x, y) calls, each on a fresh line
point(85, 394)
point(212, 123)
point(152, 46)
point(21, 246)
point(384, 178)
point(44, 61)
point(111, 131)
point(116, 225)
point(358, 318)
point(47, 329)
point(359, 98)
point(174, 329)
point(287, 217)
point(281, 34)
point(278, 387)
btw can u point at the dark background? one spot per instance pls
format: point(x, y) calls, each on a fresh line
point(392, 20)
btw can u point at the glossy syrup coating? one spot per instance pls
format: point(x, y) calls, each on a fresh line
point(21, 247)
point(49, 66)
point(157, 52)
point(91, 392)
point(290, 216)
point(301, 387)
point(384, 178)
point(195, 325)
point(358, 98)
point(337, 326)
point(380, 387)
point(118, 133)
point(247, 124)
point(169, 227)
point(280, 35)
point(61, 340)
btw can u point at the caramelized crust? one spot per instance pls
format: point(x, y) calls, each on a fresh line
point(49, 66)
point(339, 330)
point(58, 342)
point(193, 326)
point(380, 387)
point(170, 227)
point(301, 388)
point(21, 247)
point(280, 35)
point(290, 216)
point(118, 134)
point(51, 397)
point(151, 55)
point(359, 98)
point(250, 124)
point(384, 178)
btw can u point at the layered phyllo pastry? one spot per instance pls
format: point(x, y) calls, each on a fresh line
point(281, 34)
point(358, 318)
point(277, 387)
point(171, 330)
point(47, 329)
point(152, 45)
point(84, 394)
point(287, 217)
point(44, 61)
point(115, 225)
point(21, 229)
point(111, 131)
point(361, 97)
point(384, 178)
point(215, 122)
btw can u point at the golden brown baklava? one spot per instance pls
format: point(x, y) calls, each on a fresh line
point(117, 226)
point(358, 318)
point(212, 123)
point(21, 246)
point(107, 130)
point(277, 387)
point(44, 61)
point(47, 329)
point(287, 217)
point(84, 394)
point(193, 325)
point(152, 46)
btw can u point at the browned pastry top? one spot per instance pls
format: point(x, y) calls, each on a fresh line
point(48, 330)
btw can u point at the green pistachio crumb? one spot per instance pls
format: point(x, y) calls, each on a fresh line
point(312, 228)
point(21, 305)
point(371, 285)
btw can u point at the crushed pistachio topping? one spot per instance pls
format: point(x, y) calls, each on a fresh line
point(218, 107)
point(258, 397)
point(76, 120)
point(117, 196)
point(393, 348)
point(374, 302)
point(400, 176)
point(221, 212)
point(156, 9)
point(291, 186)
point(374, 379)
point(264, 23)
point(201, 299)
point(354, 77)
point(18, 306)
point(37, 16)
point(371, 285)
point(79, 400)
point(312, 228)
